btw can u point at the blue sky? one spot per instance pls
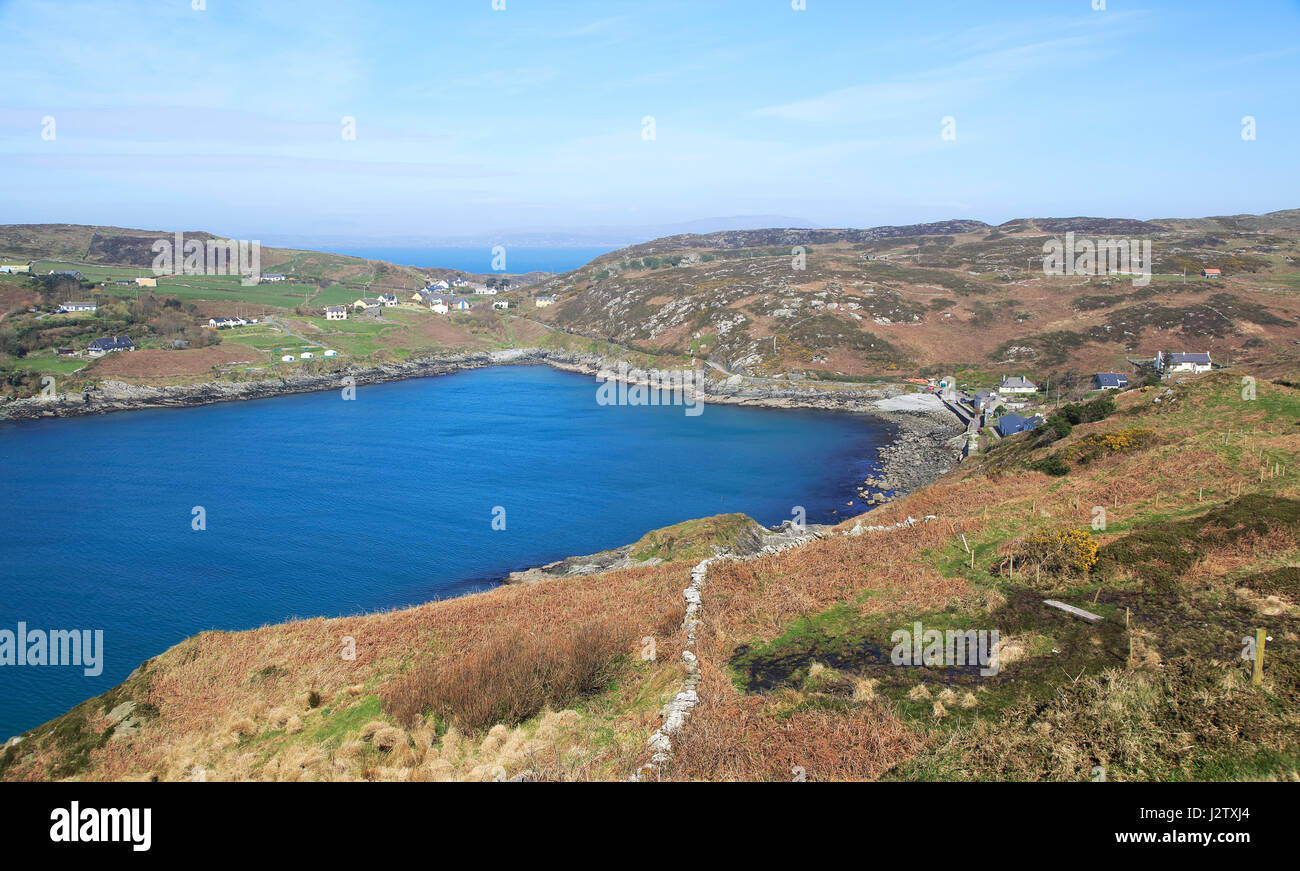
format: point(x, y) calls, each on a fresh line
point(472, 121)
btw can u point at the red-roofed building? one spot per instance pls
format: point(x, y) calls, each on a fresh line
point(1212, 273)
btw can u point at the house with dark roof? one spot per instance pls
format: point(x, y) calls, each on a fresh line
point(1010, 424)
point(431, 296)
point(1174, 364)
point(68, 273)
point(1017, 384)
point(462, 305)
point(100, 347)
point(1109, 381)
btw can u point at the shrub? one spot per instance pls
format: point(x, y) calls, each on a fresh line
point(1098, 409)
point(1053, 466)
point(1056, 427)
point(511, 679)
point(1069, 552)
point(1101, 444)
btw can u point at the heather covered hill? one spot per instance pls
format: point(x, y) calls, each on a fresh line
point(926, 299)
point(1197, 548)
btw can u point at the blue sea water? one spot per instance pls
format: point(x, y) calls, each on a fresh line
point(316, 505)
point(518, 259)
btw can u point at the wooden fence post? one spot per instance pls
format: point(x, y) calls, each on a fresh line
point(1257, 677)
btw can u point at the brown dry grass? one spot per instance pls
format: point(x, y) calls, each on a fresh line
point(511, 679)
point(219, 691)
point(732, 736)
point(192, 361)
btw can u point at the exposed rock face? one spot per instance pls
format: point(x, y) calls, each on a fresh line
point(575, 566)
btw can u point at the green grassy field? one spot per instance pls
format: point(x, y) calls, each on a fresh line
point(51, 365)
point(227, 287)
point(338, 295)
point(261, 337)
point(355, 336)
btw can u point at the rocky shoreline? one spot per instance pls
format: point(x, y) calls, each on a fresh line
point(919, 452)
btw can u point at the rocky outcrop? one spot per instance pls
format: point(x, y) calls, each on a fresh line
point(762, 541)
point(577, 566)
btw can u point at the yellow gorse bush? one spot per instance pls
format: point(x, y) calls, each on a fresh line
point(1054, 552)
point(1103, 443)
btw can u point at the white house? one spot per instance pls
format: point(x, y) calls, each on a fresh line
point(331, 353)
point(78, 307)
point(389, 300)
point(15, 267)
point(1173, 364)
point(486, 291)
point(336, 313)
point(439, 308)
point(440, 284)
point(287, 358)
point(226, 323)
point(544, 301)
point(1017, 384)
point(307, 355)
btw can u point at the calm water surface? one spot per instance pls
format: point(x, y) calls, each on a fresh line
point(319, 506)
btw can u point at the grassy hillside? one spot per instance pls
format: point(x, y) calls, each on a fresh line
point(165, 321)
point(1199, 548)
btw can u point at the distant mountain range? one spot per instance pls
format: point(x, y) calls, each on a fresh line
point(575, 237)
